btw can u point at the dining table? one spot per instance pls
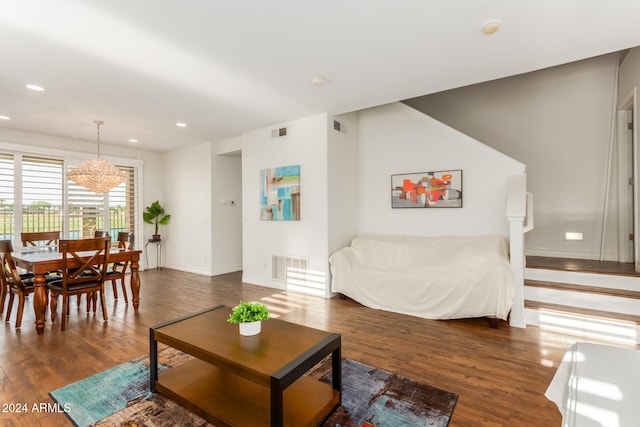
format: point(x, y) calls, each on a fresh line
point(41, 260)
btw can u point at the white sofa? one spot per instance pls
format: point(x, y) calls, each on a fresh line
point(444, 277)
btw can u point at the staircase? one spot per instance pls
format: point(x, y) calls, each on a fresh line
point(582, 297)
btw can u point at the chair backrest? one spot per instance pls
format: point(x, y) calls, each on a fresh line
point(8, 271)
point(125, 239)
point(101, 233)
point(84, 260)
point(40, 238)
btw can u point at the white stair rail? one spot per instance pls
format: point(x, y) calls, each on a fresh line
point(520, 217)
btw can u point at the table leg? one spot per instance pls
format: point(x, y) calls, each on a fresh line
point(135, 280)
point(277, 403)
point(40, 301)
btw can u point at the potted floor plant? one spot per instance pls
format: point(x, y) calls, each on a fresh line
point(155, 214)
point(249, 316)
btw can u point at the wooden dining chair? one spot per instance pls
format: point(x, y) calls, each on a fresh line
point(101, 233)
point(12, 283)
point(84, 266)
point(40, 238)
point(118, 269)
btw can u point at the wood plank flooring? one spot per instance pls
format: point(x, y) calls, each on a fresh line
point(500, 374)
point(582, 265)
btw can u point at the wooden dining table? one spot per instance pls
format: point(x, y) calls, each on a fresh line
point(42, 259)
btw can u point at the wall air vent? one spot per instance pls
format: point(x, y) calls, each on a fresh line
point(277, 133)
point(287, 268)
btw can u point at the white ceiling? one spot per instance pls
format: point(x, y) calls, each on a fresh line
point(225, 67)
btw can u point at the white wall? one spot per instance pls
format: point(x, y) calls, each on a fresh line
point(187, 182)
point(629, 73)
point(342, 178)
point(306, 145)
point(226, 213)
point(396, 139)
point(557, 122)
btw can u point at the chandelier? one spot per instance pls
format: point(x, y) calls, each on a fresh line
point(97, 175)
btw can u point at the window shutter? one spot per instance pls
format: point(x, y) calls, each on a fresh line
point(122, 204)
point(6, 196)
point(41, 194)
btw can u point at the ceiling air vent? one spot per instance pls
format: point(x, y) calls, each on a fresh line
point(277, 133)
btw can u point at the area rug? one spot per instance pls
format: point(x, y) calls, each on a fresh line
point(120, 397)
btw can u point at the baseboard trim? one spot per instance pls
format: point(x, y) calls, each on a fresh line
point(260, 281)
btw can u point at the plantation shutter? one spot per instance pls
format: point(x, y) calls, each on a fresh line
point(122, 204)
point(6, 196)
point(42, 194)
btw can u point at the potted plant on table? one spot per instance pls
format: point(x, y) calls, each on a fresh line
point(249, 316)
point(155, 214)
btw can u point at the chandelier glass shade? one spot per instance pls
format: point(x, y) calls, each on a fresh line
point(97, 175)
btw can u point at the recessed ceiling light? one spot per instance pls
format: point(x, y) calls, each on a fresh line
point(35, 88)
point(5, 118)
point(133, 140)
point(181, 125)
point(317, 80)
point(491, 26)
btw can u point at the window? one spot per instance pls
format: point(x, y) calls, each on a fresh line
point(6, 196)
point(122, 204)
point(36, 196)
point(41, 194)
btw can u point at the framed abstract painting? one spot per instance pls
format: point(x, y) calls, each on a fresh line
point(435, 189)
point(280, 193)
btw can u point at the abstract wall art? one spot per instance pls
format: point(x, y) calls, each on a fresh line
point(436, 189)
point(280, 193)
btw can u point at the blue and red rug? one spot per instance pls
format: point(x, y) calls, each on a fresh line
point(371, 396)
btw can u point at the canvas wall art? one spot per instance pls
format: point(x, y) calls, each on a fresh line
point(436, 189)
point(280, 193)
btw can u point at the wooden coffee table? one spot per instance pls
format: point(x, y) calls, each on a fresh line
point(248, 381)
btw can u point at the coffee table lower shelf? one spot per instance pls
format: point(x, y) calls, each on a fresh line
point(223, 398)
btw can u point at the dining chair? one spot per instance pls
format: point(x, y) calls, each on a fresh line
point(118, 269)
point(91, 298)
point(12, 283)
point(40, 238)
point(84, 266)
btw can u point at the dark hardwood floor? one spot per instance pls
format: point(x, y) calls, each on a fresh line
point(500, 374)
point(583, 265)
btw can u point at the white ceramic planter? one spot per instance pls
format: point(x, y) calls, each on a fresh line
point(250, 328)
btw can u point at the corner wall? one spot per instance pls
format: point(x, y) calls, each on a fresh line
point(306, 145)
point(396, 139)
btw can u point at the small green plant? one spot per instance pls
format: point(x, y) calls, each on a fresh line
point(246, 312)
point(154, 214)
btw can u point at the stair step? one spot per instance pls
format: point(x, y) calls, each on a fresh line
point(583, 288)
point(596, 314)
point(583, 312)
point(581, 322)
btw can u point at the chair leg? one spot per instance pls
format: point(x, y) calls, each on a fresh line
point(3, 297)
point(103, 305)
point(20, 310)
point(124, 291)
point(115, 288)
point(64, 315)
point(9, 306)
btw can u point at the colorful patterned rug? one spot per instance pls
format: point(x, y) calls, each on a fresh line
point(120, 397)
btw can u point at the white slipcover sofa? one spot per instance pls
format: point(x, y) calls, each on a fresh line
point(447, 277)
